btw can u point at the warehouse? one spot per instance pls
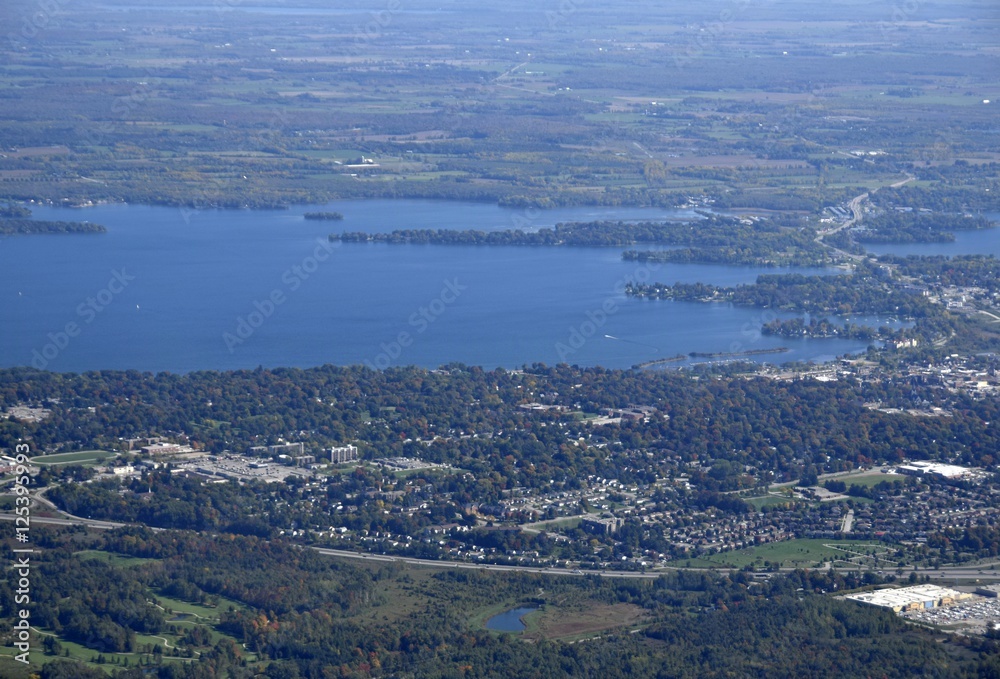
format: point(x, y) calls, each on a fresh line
point(910, 598)
point(943, 471)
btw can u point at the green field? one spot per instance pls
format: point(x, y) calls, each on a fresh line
point(801, 553)
point(203, 613)
point(560, 524)
point(113, 559)
point(759, 503)
point(194, 614)
point(870, 480)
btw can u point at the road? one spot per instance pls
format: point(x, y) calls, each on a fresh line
point(855, 207)
point(981, 573)
point(485, 567)
point(76, 521)
point(909, 178)
point(641, 148)
point(856, 216)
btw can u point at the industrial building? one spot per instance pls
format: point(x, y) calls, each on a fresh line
point(990, 591)
point(293, 449)
point(918, 597)
point(945, 471)
point(161, 449)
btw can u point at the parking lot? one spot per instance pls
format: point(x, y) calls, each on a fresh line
point(971, 617)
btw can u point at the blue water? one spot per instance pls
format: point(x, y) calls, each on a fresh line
point(983, 242)
point(238, 289)
point(509, 621)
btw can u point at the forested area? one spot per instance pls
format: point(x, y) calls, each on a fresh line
point(381, 410)
point(710, 239)
point(12, 227)
point(857, 293)
point(319, 617)
point(908, 227)
point(16, 220)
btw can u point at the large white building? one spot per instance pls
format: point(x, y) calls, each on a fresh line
point(913, 598)
point(946, 471)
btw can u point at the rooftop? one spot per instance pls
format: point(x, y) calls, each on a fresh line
point(898, 598)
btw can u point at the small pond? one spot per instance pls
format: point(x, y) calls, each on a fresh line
point(509, 621)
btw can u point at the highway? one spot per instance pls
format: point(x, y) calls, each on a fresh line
point(855, 207)
point(75, 521)
point(485, 567)
point(979, 573)
point(856, 216)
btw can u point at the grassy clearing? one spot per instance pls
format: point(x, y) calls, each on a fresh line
point(560, 524)
point(113, 559)
point(197, 611)
point(869, 480)
point(796, 553)
point(195, 615)
point(580, 622)
point(697, 563)
point(759, 503)
point(70, 649)
point(401, 596)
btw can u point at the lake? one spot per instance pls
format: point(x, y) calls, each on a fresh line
point(982, 242)
point(509, 621)
point(176, 290)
